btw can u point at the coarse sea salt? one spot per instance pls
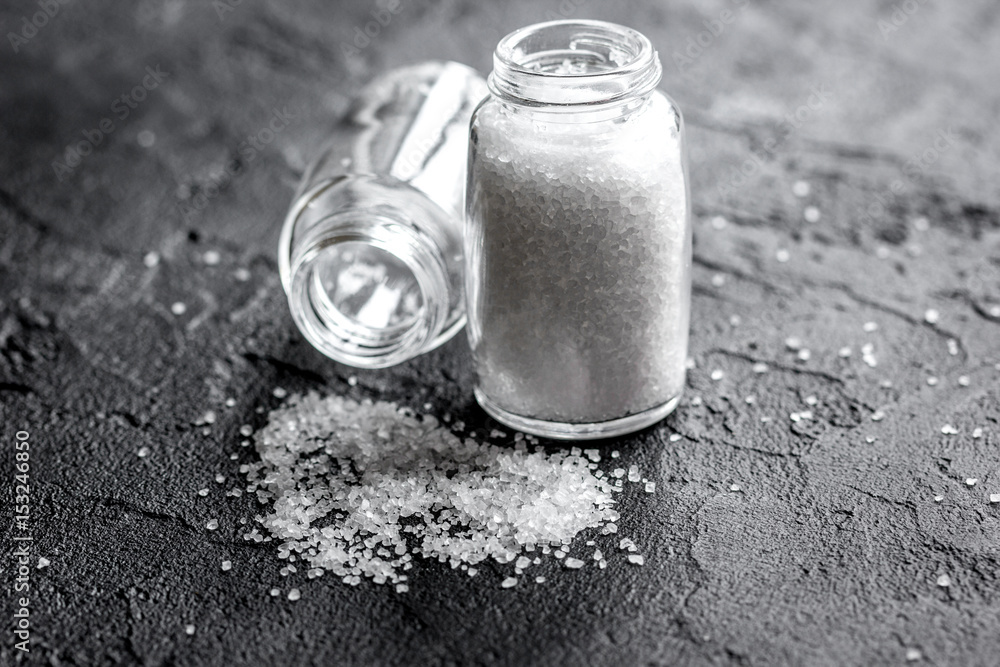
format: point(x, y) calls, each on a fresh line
point(356, 488)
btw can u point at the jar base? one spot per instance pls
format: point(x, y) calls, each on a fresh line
point(577, 431)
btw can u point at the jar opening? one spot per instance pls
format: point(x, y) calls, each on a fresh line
point(370, 294)
point(574, 62)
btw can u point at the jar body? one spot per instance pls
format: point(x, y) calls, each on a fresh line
point(578, 264)
point(370, 251)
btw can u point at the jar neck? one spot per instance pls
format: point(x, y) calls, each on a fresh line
point(573, 64)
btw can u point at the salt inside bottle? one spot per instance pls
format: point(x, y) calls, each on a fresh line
point(578, 236)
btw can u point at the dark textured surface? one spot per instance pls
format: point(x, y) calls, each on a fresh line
point(828, 554)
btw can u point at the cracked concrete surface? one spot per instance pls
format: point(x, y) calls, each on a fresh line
point(771, 539)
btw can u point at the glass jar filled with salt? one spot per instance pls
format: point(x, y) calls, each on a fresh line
point(578, 235)
point(370, 253)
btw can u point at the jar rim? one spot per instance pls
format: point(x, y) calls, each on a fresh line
point(573, 62)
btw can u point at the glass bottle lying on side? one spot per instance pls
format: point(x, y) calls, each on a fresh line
point(578, 236)
point(371, 250)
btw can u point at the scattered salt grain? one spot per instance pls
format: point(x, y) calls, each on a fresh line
point(675, 437)
point(294, 594)
point(793, 343)
point(811, 400)
point(921, 224)
point(650, 487)
point(844, 352)
point(220, 478)
point(509, 582)
point(357, 489)
point(402, 588)
point(977, 433)
point(759, 367)
point(878, 416)
point(615, 454)
point(212, 524)
point(178, 308)
point(869, 327)
point(782, 255)
point(189, 629)
point(944, 581)
point(353, 381)
point(211, 257)
point(143, 452)
point(952, 347)
point(801, 188)
point(151, 259)
point(618, 473)
point(633, 474)
point(963, 381)
point(717, 375)
point(203, 492)
point(43, 562)
point(573, 563)
point(811, 214)
point(970, 481)
point(948, 429)
point(804, 354)
point(913, 654)
point(938, 499)
point(279, 392)
point(636, 559)
point(241, 274)
point(227, 565)
point(275, 592)
point(246, 430)
point(718, 280)
point(734, 487)
point(995, 497)
point(931, 316)
point(230, 402)
point(719, 223)
point(932, 381)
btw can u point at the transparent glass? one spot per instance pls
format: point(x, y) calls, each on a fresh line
point(370, 253)
point(578, 234)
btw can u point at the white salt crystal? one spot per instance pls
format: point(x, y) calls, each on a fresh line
point(402, 588)
point(759, 367)
point(869, 327)
point(719, 222)
point(878, 416)
point(143, 452)
point(618, 472)
point(782, 255)
point(932, 381)
point(931, 316)
point(279, 392)
point(598, 555)
point(938, 499)
point(734, 487)
point(151, 259)
point(203, 492)
point(509, 582)
point(948, 429)
point(844, 352)
point(952, 347)
point(189, 629)
point(977, 433)
point(995, 497)
point(970, 481)
point(294, 594)
point(944, 581)
point(227, 565)
point(675, 437)
point(633, 473)
point(246, 430)
point(573, 563)
point(178, 308)
point(539, 580)
point(913, 654)
point(811, 214)
point(717, 375)
point(963, 381)
point(636, 559)
point(211, 257)
point(804, 354)
point(801, 188)
point(43, 562)
point(212, 524)
point(220, 478)
point(650, 487)
point(793, 343)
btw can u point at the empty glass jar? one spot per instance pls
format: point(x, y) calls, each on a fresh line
point(371, 253)
point(577, 238)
